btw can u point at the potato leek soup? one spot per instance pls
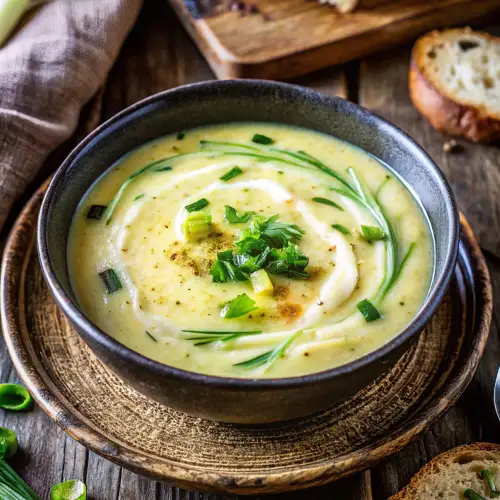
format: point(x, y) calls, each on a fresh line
point(250, 250)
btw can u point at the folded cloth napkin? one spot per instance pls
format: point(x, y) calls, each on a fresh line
point(48, 70)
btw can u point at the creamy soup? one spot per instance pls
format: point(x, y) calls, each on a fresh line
point(250, 250)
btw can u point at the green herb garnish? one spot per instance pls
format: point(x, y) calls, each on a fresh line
point(151, 336)
point(209, 336)
point(197, 205)
point(472, 495)
point(181, 135)
point(138, 197)
point(368, 310)
point(223, 271)
point(96, 212)
point(488, 476)
point(262, 139)
point(111, 281)
point(372, 233)
point(237, 307)
point(69, 490)
point(325, 201)
point(288, 261)
point(269, 357)
point(8, 442)
point(341, 228)
point(234, 172)
point(276, 233)
point(233, 217)
point(15, 397)
point(197, 225)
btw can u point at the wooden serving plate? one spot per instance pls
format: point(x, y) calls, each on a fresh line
point(292, 37)
point(96, 408)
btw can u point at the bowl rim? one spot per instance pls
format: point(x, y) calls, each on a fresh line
point(108, 343)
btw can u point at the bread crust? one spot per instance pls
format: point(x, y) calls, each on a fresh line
point(443, 113)
point(441, 460)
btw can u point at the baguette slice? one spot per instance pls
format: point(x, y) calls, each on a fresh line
point(447, 476)
point(455, 82)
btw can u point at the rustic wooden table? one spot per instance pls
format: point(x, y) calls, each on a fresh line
point(159, 55)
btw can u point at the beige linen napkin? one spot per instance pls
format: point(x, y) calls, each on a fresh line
point(48, 70)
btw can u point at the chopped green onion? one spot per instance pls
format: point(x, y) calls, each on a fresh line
point(233, 217)
point(372, 233)
point(325, 201)
point(237, 307)
point(262, 139)
point(269, 357)
point(69, 490)
point(111, 281)
point(197, 225)
point(261, 283)
point(341, 228)
point(209, 336)
point(368, 310)
point(138, 197)
point(472, 495)
point(486, 474)
point(197, 205)
point(96, 212)
point(163, 169)
point(15, 397)
point(12, 486)
point(150, 336)
point(234, 172)
point(181, 135)
point(11, 12)
point(8, 442)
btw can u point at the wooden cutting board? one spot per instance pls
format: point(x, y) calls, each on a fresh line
point(286, 38)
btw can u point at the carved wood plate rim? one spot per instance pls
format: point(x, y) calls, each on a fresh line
point(281, 478)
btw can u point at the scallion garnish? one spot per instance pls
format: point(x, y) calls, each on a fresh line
point(342, 229)
point(372, 233)
point(150, 336)
point(262, 139)
point(138, 197)
point(488, 476)
point(96, 212)
point(470, 494)
point(8, 440)
point(181, 135)
point(325, 201)
point(197, 225)
point(368, 310)
point(69, 490)
point(238, 306)
point(111, 281)
point(234, 172)
point(197, 205)
point(15, 397)
point(233, 217)
point(209, 336)
point(269, 357)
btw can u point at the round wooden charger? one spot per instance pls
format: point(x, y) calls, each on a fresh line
point(95, 407)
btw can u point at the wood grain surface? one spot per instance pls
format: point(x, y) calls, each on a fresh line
point(159, 55)
point(286, 38)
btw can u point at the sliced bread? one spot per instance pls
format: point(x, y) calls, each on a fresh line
point(455, 82)
point(450, 474)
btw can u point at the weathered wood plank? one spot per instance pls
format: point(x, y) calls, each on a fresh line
point(475, 178)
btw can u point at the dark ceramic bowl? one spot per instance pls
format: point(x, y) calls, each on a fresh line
point(232, 399)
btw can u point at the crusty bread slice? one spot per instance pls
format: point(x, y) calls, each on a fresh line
point(455, 82)
point(447, 476)
point(342, 5)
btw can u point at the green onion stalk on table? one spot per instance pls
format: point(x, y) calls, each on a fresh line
point(14, 397)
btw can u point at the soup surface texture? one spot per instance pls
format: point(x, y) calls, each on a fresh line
point(250, 250)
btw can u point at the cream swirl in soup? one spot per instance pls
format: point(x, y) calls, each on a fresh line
point(250, 250)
